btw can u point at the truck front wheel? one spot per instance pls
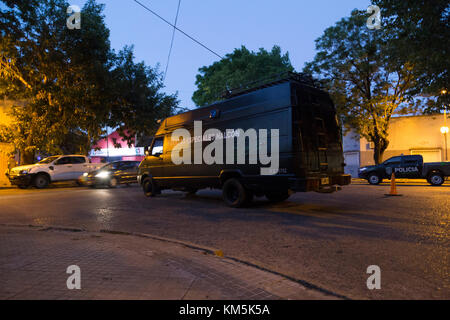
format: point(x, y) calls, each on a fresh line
point(234, 193)
point(41, 181)
point(436, 179)
point(374, 179)
point(149, 187)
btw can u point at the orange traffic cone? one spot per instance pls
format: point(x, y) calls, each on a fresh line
point(393, 191)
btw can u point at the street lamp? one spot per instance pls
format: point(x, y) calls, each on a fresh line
point(444, 131)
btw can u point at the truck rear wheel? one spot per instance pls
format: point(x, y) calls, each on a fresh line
point(234, 193)
point(41, 181)
point(277, 196)
point(436, 179)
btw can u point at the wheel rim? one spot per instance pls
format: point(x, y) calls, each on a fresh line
point(232, 194)
point(436, 179)
point(40, 182)
point(374, 179)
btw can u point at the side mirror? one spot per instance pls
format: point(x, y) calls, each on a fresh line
point(51, 168)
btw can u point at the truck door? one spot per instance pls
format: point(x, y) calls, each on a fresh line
point(156, 159)
point(79, 166)
point(411, 167)
point(61, 169)
point(393, 165)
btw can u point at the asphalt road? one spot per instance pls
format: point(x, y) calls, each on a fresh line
point(327, 240)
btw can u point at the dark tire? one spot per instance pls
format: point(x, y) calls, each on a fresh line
point(436, 179)
point(374, 179)
point(277, 196)
point(149, 187)
point(41, 181)
point(113, 182)
point(234, 193)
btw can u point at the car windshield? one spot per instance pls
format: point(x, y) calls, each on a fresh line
point(113, 165)
point(48, 160)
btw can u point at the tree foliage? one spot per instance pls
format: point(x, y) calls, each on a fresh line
point(72, 83)
point(237, 69)
point(418, 32)
point(367, 87)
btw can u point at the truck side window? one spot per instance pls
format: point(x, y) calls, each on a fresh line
point(158, 147)
point(411, 162)
point(65, 160)
point(394, 160)
point(77, 160)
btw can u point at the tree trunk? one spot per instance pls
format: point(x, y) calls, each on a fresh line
point(26, 157)
point(381, 145)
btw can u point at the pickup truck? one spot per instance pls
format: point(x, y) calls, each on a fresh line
point(406, 167)
point(51, 169)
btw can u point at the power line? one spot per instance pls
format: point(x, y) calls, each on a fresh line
point(193, 39)
point(171, 42)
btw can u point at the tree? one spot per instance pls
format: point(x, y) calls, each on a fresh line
point(72, 82)
point(367, 87)
point(236, 69)
point(138, 100)
point(418, 32)
point(59, 72)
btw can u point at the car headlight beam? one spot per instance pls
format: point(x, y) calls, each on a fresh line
point(102, 174)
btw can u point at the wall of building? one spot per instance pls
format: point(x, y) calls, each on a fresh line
point(411, 135)
point(5, 148)
point(105, 151)
point(407, 135)
point(351, 148)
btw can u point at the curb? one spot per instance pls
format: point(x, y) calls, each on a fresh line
point(208, 250)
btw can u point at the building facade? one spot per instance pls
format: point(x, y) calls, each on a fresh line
point(407, 135)
point(5, 148)
point(105, 150)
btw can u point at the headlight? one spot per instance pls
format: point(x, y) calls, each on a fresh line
point(85, 174)
point(23, 172)
point(102, 174)
point(362, 169)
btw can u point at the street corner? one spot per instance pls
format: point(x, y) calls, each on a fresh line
point(67, 263)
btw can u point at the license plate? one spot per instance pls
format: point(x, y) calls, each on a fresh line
point(325, 180)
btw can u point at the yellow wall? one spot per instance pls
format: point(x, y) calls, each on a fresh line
point(5, 148)
point(412, 135)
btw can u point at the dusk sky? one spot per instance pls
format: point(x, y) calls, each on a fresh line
point(222, 26)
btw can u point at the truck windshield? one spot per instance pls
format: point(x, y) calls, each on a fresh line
point(48, 160)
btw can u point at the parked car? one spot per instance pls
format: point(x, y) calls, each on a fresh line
point(310, 147)
point(51, 169)
point(112, 174)
point(409, 167)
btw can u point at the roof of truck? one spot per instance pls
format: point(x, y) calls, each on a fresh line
point(203, 112)
point(275, 79)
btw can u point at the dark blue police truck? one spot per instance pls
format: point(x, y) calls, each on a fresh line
point(407, 167)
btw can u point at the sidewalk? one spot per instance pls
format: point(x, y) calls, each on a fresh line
point(33, 263)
